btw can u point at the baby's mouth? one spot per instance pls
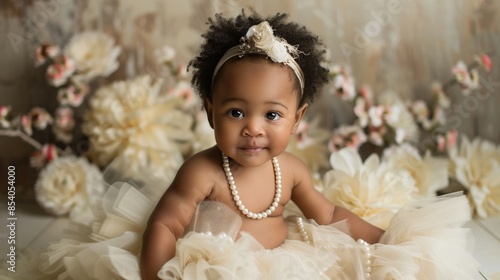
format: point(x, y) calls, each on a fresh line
point(252, 149)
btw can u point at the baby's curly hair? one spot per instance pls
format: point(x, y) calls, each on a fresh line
point(225, 33)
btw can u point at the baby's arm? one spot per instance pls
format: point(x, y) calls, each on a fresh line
point(317, 207)
point(171, 216)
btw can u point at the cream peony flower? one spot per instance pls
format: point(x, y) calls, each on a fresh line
point(429, 173)
point(94, 53)
point(131, 119)
point(371, 190)
point(476, 166)
point(69, 185)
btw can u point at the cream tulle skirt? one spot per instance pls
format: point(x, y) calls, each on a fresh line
point(423, 241)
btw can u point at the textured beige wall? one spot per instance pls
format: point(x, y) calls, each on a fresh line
point(411, 43)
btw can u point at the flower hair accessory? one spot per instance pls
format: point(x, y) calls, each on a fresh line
point(260, 39)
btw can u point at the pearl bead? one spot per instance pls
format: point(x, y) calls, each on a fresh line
point(236, 198)
point(365, 247)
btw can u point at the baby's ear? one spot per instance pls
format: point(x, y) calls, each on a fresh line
point(298, 117)
point(207, 104)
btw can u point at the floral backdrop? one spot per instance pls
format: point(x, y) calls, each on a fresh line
point(112, 91)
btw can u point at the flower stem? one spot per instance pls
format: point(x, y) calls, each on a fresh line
point(26, 138)
point(23, 136)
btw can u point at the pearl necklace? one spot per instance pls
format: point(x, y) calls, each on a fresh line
point(236, 197)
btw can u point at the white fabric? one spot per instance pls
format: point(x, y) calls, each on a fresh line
point(423, 241)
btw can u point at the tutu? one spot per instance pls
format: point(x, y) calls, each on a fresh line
point(423, 241)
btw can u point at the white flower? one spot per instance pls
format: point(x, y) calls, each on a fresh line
point(263, 38)
point(261, 35)
point(476, 166)
point(398, 116)
point(429, 173)
point(165, 55)
point(95, 55)
point(131, 119)
point(69, 185)
point(371, 190)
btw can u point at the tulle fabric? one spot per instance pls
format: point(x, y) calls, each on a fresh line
point(423, 241)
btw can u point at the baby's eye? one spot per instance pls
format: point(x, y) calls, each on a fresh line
point(273, 116)
point(238, 114)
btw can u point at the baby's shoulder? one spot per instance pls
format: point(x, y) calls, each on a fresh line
point(292, 164)
point(199, 166)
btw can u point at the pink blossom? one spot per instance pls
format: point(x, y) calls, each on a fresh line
point(486, 62)
point(451, 138)
point(26, 124)
point(64, 118)
point(49, 151)
point(441, 143)
point(40, 118)
point(347, 136)
point(376, 114)
point(184, 91)
point(165, 55)
point(376, 134)
point(302, 133)
point(72, 95)
point(343, 83)
point(58, 73)
point(336, 143)
point(46, 51)
point(367, 94)
point(64, 124)
point(360, 109)
point(467, 79)
point(4, 113)
point(447, 141)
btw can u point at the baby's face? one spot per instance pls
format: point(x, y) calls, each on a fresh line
point(254, 110)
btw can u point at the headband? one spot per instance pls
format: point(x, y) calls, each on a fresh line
point(261, 40)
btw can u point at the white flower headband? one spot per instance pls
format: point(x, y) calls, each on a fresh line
point(261, 40)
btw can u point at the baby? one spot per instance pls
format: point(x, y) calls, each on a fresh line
point(256, 78)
